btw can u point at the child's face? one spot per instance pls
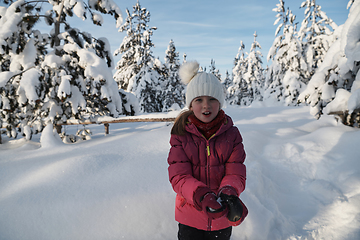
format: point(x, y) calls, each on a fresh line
point(205, 108)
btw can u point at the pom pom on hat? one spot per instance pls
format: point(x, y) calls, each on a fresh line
point(188, 70)
point(200, 83)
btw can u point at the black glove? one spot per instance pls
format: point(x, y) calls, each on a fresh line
point(234, 206)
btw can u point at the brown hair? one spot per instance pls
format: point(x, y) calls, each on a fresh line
point(180, 123)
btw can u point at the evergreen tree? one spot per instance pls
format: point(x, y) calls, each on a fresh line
point(227, 80)
point(173, 94)
point(316, 36)
point(137, 71)
point(283, 82)
point(214, 70)
point(127, 66)
point(49, 78)
point(335, 87)
point(254, 75)
point(238, 92)
point(148, 89)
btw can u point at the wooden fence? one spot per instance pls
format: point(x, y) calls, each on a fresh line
point(107, 123)
point(122, 120)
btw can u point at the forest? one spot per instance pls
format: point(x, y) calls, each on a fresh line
point(67, 74)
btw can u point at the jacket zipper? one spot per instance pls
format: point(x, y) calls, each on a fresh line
point(207, 163)
point(209, 224)
point(207, 169)
point(208, 173)
point(208, 146)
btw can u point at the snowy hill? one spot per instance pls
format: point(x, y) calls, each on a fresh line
point(303, 181)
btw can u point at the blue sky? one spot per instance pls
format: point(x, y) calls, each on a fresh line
point(207, 29)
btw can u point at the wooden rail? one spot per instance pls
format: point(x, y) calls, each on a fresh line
point(107, 123)
point(121, 120)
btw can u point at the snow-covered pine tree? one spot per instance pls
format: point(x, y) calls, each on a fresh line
point(214, 70)
point(316, 36)
point(283, 82)
point(335, 87)
point(137, 71)
point(127, 66)
point(254, 75)
point(238, 92)
point(54, 77)
point(173, 93)
point(227, 80)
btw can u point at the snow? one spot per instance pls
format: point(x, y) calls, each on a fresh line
point(52, 60)
point(339, 103)
point(64, 87)
point(25, 59)
point(49, 138)
point(79, 10)
point(30, 83)
point(352, 48)
point(77, 100)
point(354, 101)
point(9, 21)
point(4, 78)
point(303, 180)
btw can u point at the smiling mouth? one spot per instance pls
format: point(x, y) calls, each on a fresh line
point(206, 113)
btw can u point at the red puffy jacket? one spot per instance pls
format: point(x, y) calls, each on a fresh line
point(197, 162)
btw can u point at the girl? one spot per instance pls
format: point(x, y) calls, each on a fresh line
point(206, 159)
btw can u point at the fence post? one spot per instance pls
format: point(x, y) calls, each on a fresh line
point(106, 125)
point(58, 128)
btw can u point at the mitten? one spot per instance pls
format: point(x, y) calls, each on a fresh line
point(199, 196)
point(237, 210)
point(212, 207)
point(206, 200)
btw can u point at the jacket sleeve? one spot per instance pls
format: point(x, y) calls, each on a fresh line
point(235, 170)
point(180, 171)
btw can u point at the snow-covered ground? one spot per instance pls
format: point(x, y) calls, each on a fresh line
point(303, 181)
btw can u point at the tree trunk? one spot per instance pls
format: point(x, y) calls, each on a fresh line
point(57, 27)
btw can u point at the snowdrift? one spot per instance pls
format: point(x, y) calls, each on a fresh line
point(303, 181)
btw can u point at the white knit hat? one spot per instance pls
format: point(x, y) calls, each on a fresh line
point(200, 83)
